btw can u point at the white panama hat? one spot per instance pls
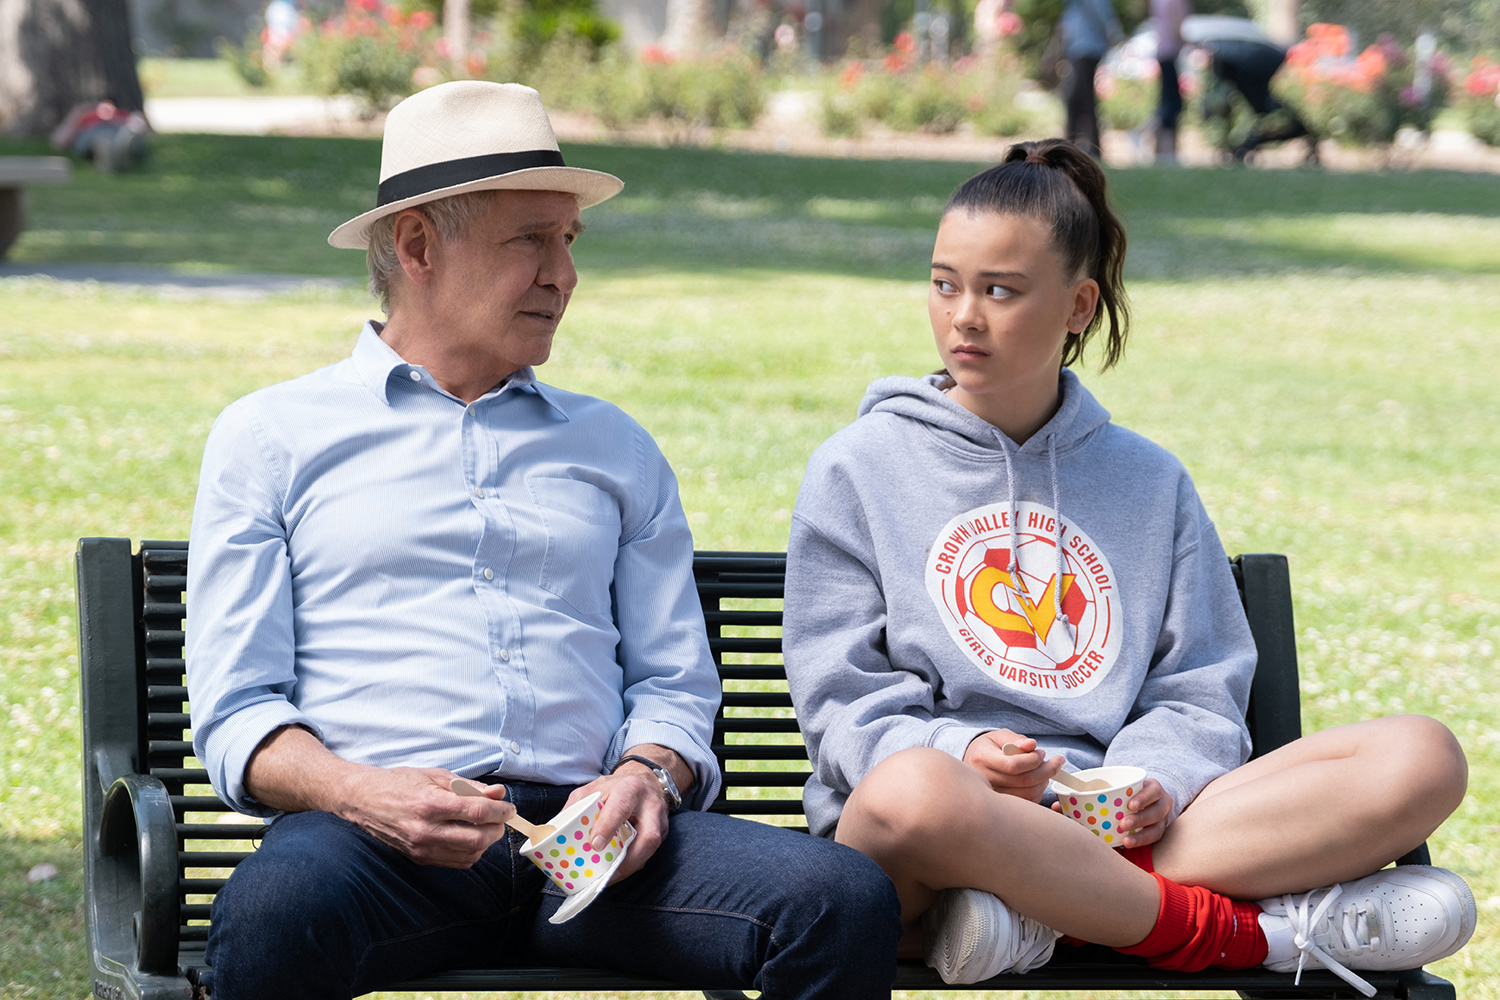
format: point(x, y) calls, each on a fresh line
point(470, 135)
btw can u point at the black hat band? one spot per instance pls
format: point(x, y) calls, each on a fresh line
point(436, 176)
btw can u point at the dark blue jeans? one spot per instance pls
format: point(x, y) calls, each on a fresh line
point(324, 910)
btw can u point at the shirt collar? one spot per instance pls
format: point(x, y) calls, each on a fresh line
point(375, 362)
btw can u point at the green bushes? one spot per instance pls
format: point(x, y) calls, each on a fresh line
point(1358, 100)
point(1479, 99)
point(904, 97)
point(725, 89)
point(370, 52)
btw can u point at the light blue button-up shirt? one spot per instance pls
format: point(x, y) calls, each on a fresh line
point(499, 587)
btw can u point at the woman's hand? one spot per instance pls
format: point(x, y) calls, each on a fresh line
point(1146, 815)
point(1024, 775)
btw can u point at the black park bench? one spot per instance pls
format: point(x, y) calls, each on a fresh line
point(159, 843)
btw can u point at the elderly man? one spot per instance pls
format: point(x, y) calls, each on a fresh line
point(420, 572)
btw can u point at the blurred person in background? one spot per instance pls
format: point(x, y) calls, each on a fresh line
point(1167, 16)
point(1088, 28)
point(1244, 58)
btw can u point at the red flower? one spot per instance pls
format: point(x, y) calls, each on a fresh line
point(892, 63)
point(1010, 23)
point(422, 20)
point(656, 54)
point(851, 75)
point(905, 43)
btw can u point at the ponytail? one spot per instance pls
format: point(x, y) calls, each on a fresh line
point(1055, 181)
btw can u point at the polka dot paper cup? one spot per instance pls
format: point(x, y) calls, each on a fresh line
point(1100, 811)
point(573, 866)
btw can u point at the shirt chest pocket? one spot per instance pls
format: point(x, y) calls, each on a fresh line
point(583, 536)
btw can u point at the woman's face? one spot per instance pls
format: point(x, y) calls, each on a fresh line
point(1002, 306)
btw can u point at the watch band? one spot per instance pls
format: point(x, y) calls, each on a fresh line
point(663, 777)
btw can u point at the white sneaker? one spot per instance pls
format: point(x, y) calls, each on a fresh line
point(1399, 918)
point(969, 935)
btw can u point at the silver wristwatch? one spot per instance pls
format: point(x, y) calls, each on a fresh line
point(663, 777)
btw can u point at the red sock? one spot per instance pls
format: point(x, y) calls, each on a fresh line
point(1196, 928)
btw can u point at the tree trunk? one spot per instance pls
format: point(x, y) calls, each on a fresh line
point(688, 28)
point(456, 32)
point(1281, 22)
point(57, 54)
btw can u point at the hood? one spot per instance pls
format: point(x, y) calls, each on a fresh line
point(1078, 415)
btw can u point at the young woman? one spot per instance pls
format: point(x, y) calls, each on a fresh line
point(983, 559)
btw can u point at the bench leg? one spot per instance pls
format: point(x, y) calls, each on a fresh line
point(1419, 984)
point(12, 217)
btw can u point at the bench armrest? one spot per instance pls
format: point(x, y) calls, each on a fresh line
point(136, 891)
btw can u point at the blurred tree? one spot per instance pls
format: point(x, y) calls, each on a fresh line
point(1460, 25)
point(56, 54)
point(689, 26)
point(1281, 21)
point(456, 31)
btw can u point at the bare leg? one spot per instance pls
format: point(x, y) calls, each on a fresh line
point(1334, 806)
point(932, 822)
point(1327, 808)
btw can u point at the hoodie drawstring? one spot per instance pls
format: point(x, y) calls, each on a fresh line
point(1015, 529)
point(1062, 564)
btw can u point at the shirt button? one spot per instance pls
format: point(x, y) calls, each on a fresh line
point(489, 574)
point(515, 747)
point(416, 376)
point(470, 411)
point(479, 493)
point(505, 655)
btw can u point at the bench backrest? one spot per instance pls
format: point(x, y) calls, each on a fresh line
point(131, 615)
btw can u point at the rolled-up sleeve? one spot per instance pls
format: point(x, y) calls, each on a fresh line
point(240, 636)
point(671, 688)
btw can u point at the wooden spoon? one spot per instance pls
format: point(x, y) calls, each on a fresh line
point(1063, 777)
point(535, 832)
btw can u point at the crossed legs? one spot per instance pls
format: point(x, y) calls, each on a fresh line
point(1329, 807)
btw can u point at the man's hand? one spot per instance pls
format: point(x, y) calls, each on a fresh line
point(1025, 775)
point(414, 811)
point(1146, 815)
point(633, 793)
point(411, 809)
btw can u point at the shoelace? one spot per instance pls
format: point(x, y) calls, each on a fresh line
point(1353, 930)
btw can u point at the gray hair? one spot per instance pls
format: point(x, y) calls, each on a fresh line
point(451, 217)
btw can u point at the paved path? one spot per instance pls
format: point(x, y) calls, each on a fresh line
point(252, 115)
point(173, 284)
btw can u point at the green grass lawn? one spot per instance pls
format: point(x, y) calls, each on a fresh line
point(1319, 350)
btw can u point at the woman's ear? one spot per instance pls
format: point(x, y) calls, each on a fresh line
point(1085, 304)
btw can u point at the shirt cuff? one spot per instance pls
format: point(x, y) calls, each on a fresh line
point(704, 765)
point(231, 742)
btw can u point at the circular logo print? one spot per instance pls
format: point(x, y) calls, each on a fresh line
point(1005, 618)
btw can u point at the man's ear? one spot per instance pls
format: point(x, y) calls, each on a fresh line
point(1085, 302)
point(416, 245)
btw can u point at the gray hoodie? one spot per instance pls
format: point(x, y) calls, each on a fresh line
point(907, 624)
